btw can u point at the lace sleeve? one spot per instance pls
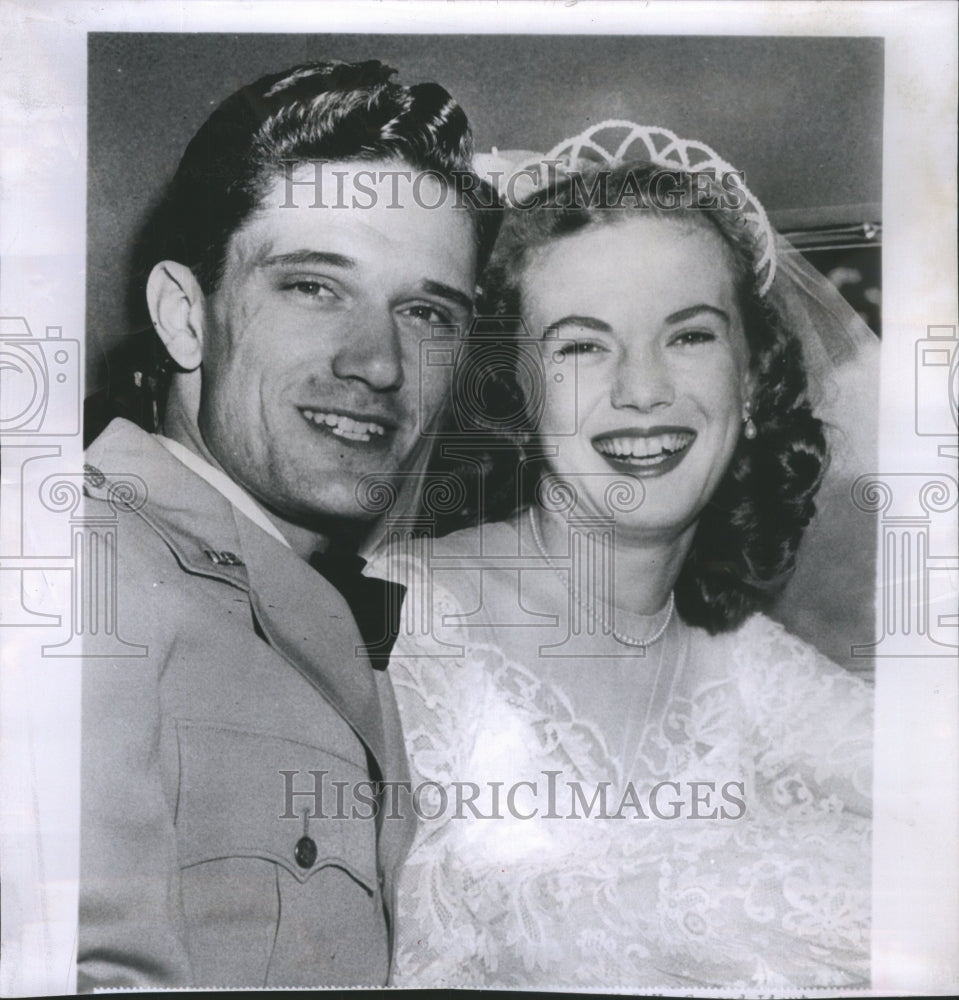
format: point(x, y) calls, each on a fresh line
point(440, 686)
point(428, 668)
point(813, 719)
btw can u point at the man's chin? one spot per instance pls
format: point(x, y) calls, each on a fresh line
point(322, 499)
point(354, 499)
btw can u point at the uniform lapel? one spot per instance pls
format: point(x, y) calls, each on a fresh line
point(396, 828)
point(195, 520)
point(305, 618)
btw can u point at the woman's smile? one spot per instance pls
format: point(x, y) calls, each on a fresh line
point(651, 452)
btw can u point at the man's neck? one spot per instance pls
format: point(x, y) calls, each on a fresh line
point(302, 540)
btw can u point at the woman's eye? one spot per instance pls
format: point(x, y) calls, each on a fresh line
point(579, 347)
point(690, 337)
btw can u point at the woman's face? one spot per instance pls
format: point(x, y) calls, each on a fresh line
point(646, 309)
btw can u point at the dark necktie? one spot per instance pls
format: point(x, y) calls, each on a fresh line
point(375, 603)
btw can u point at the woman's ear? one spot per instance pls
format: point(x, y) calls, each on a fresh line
point(176, 305)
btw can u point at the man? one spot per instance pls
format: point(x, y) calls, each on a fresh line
point(313, 234)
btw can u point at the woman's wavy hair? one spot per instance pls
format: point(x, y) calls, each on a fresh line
point(745, 544)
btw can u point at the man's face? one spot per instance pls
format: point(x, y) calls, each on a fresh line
point(311, 374)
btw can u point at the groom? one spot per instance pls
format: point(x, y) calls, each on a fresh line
point(309, 241)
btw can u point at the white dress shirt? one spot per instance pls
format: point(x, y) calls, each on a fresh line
point(221, 482)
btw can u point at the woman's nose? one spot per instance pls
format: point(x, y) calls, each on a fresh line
point(370, 352)
point(643, 380)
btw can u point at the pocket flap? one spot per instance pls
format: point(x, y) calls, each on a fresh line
point(235, 801)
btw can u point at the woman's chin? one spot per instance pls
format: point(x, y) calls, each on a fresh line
point(650, 529)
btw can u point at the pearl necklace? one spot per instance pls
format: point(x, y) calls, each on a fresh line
point(627, 640)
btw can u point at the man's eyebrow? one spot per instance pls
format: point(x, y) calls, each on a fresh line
point(448, 292)
point(691, 311)
point(327, 259)
point(590, 322)
point(319, 257)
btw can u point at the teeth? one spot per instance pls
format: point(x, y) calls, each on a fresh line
point(643, 447)
point(345, 427)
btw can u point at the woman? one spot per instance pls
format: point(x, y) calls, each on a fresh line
point(628, 776)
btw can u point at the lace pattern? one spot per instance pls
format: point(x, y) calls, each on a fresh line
point(760, 746)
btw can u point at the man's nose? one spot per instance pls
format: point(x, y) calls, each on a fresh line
point(643, 380)
point(370, 351)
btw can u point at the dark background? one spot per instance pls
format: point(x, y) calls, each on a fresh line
point(802, 117)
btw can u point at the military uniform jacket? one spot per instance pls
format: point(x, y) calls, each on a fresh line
point(202, 861)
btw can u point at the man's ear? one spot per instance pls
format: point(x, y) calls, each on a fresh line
point(176, 304)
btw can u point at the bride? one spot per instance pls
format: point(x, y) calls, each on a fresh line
point(627, 776)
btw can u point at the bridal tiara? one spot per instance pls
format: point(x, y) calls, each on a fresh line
point(615, 141)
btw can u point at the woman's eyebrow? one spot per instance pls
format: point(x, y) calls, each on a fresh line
point(691, 311)
point(589, 322)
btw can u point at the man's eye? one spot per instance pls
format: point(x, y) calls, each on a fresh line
point(427, 314)
point(312, 288)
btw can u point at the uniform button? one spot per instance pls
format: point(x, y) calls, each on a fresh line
point(94, 476)
point(305, 852)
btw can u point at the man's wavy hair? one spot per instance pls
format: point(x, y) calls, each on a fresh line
point(744, 548)
point(329, 111)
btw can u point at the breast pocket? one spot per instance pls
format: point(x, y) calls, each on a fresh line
point(246, 794)
point(263, 841)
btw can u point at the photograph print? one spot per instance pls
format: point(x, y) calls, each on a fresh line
point(471, 549)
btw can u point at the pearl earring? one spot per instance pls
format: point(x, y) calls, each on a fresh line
point(749, 428)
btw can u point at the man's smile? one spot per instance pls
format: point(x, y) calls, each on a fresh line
point(358, 428)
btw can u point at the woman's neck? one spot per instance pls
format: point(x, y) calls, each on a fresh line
point(643, 569)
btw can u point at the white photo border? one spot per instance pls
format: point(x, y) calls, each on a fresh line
point(42, 280)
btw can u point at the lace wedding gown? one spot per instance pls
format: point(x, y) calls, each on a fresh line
point(693, 816)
